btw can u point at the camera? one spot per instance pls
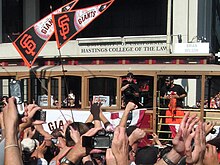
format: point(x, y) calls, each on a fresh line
point(15, 90)
point(40, 138)
point(102, 140)
point(149, 136)
point(54, 140)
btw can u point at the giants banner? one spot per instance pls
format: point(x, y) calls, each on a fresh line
point(31, 41)
point(68, 24)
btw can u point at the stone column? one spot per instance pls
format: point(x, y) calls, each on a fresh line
point(31, 12)
point(1, 21)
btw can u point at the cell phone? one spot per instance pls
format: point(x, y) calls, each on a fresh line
point(41, 138)
point(15, 90)
point(40, 115)
point(149, 136)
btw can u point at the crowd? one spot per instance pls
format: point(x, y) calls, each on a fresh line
point(97, 142)
point(213, 103)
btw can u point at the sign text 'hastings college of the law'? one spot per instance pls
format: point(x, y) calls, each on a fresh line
point(123, 48)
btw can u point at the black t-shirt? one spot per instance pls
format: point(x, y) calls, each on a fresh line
point(128, 93)
point(177, 89)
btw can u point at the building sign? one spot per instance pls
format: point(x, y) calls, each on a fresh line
point(191, 48)
point(129, 48)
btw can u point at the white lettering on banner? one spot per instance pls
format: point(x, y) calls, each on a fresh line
point(87, 15)
point(123, 48)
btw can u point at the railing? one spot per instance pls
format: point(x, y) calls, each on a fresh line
point(209, 115)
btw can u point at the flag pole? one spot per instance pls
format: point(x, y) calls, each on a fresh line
point(65, 82)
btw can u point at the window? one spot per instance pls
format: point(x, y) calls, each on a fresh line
point(103, 88)
point(191, 85)
point(145, 91)
point(40, 91)
point(212, 93)
point(12, 19)
point(24, 88)
point(54, 91)
point(71, 91)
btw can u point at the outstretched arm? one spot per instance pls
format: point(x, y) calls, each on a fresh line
point(12, 150)
point(130, 106)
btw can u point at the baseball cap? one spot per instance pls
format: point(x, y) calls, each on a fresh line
point(169, 78)
point(146, 155)
point(29, 145)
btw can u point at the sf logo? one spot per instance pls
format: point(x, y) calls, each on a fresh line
point(64, 25)
point(28, 44)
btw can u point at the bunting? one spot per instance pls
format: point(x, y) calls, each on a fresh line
point(31, 41)
point(68, 24)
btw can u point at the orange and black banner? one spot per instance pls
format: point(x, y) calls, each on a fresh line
point(68, 24)
point(31, 41)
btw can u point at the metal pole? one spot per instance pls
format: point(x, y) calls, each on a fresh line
point(169, 20)
point(202, 97)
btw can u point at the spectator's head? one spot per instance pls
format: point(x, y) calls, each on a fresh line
point(29, 145)
point(57, 133)
point(57, 140)
point(90, 125)
point(130, 77)
point(164, 151)
point(215, 142)
point(130, 129)
point(146, 155)
point(80, 127)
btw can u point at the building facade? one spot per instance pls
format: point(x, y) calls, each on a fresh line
point(151, 38)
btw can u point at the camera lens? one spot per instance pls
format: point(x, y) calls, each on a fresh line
point(213, 131)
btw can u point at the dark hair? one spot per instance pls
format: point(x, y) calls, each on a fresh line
point(57, 133)
point(146, 155)
point(215, 142)
point(90, 125)
point(164, 151)
point(130, 75)
point(130, 129)
point(80, 127)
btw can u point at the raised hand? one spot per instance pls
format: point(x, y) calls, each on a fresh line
point(194, 155)
point(120, 146)
point(110, 158)
point(211, 155)
point(209, 126)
